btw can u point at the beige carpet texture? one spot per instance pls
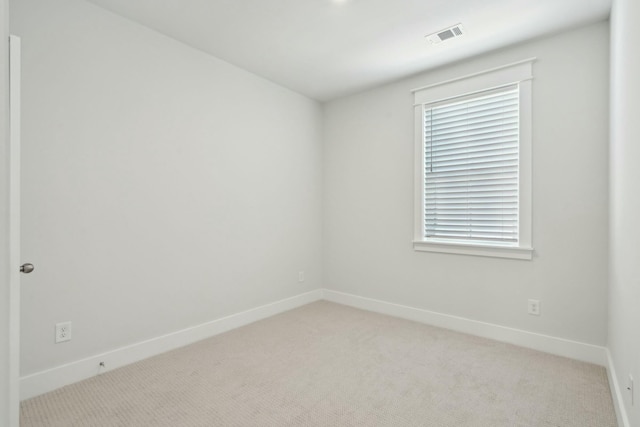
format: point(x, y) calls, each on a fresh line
point(326, 364)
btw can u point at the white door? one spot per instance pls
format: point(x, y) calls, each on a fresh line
point(14, 230)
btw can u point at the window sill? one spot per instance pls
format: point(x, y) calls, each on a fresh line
point(513, 252)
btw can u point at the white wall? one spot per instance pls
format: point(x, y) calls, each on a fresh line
point(624, 291)
point(162, 188)
point(368, 199)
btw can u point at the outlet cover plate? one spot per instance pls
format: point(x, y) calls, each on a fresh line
point(534, 307)
point(63, 332)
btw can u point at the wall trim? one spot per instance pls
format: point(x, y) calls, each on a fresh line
point(573, 349)
point(616, 393)
point(50, 379)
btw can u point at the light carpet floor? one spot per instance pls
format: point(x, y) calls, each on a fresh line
point(325, 364)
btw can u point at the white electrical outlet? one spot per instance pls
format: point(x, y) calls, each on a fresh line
point(534, 307)
point(63, 332)
point(630, 387)
point(300, 276)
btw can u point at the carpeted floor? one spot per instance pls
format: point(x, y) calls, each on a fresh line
point(329, 365)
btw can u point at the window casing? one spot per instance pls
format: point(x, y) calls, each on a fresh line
point(473, 164)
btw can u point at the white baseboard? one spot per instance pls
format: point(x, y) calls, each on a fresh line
point(42, 382)
point(616, 393)
point(548, 344)
point(51, 379)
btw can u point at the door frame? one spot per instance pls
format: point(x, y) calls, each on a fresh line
point(14, 228)
point(12, 148)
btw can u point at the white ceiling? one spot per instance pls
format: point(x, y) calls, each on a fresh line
point(328, 48)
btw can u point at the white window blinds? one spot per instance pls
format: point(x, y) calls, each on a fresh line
point(471, 167)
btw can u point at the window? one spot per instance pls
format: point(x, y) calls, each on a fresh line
point(473, 164)
point(471, 168)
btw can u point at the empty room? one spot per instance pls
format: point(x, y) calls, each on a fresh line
point(320, 213)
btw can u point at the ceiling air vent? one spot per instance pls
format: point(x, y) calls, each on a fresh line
point(446, 34)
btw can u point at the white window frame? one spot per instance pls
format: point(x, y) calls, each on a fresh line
point(520, 73)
